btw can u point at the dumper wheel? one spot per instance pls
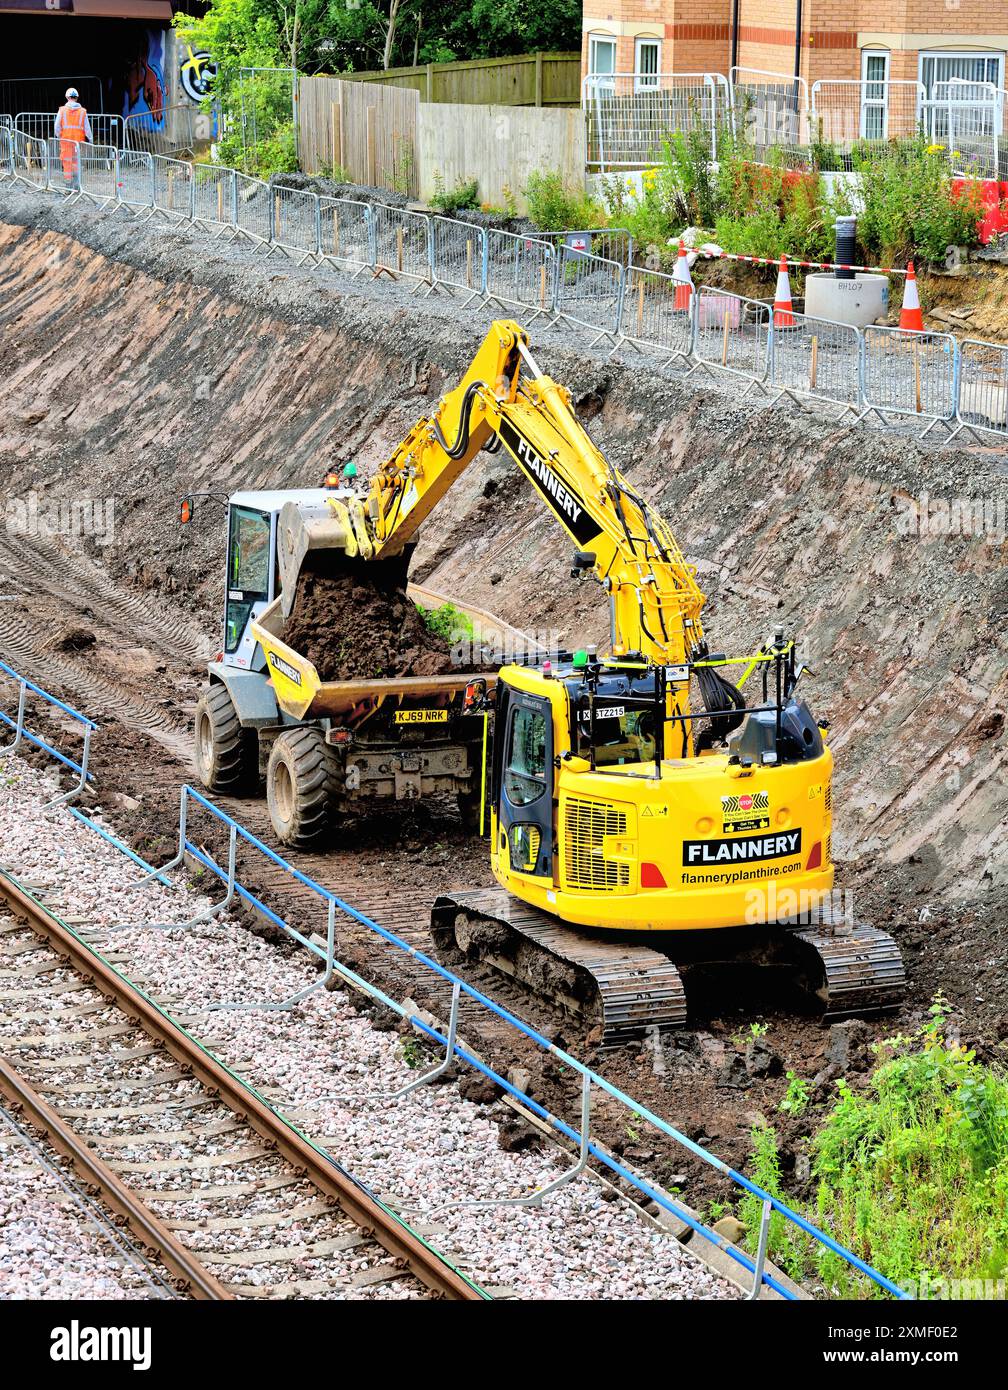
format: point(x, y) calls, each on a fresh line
point(227, 756)
point(302, 781)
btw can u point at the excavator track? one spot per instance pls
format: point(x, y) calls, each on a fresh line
point(622, 991)
point(619, 990)
point(859, 968)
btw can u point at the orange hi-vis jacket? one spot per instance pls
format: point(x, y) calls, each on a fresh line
point(72, 129)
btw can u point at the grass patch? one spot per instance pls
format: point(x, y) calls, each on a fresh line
point(912, 1172)
point(447, 622)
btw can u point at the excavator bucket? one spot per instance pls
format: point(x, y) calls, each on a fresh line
point(314, 531)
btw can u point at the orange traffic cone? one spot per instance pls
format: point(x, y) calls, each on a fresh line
point(911, 318)
point(783, 315)
point(683, 280)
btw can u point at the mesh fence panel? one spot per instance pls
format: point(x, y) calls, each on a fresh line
point(845, 113)
point(295, 220)
point(458, 254)
point(213, 195)
point(97, 171)
point(772, 111)
point(982, 400)
point(909, 373)
point(30, 159)
point(630, 117)
point(402, 241)
point(651, 315)
point(173, 183)
point(345, 232)
point(817, 358)
point(136, 179)
point(521, 270)
point(732, 333)
point(589, 289)
point(253, 216)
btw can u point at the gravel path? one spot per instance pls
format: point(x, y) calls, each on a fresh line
point(330, 1067)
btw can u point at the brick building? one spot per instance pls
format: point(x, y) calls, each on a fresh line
point(875, 40)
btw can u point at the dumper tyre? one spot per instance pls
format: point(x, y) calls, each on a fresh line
point(302, 786)
point(226, 755)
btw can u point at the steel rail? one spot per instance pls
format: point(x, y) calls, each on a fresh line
point(147, 1227)
point(320, 1169)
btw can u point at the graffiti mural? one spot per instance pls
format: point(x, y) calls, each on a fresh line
point(145, 92)
point(197, 73)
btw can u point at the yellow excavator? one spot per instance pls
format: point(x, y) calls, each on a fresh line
point(628, 832)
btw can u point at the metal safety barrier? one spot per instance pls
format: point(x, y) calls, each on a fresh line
point(401, 243)
point(22, 734)
point(654, 316)
point(97, 172)
point(816, 359)
point(520, 270)
point(172, 131)
point(629, 117)
point(346, 233)
point(447, 1042)
point(135, 179)
point(106, 129)
point(296, 222)
point(30, 160)
point(459, 256)
point(731, 334)
point(173, 187)
point(6, 153)
point(589, 291)
point(213, 197)
point(908, 374)
point(611, 243)
point(253, 214)
point(982, 395)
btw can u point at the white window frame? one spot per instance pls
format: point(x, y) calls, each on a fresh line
point(866, 54)
point(596, 79)
point(647, 81)
point(987, 54)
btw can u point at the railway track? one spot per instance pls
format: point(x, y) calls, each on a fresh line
point(235, 1202)
point(25, 1158)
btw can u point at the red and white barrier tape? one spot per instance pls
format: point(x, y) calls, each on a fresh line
point(799, 265)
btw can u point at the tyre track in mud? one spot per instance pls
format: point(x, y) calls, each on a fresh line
point(31, 568)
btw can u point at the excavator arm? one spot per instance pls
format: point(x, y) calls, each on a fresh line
point(505, 400)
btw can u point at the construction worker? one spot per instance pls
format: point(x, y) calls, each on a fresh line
point(72, 126)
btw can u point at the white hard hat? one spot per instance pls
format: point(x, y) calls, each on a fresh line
point(71, 94)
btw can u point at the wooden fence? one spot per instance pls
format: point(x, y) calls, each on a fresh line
point(499, 146)
point(530, 79)
point(369, 131)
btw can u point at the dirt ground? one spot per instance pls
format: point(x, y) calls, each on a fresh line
point(206, 370)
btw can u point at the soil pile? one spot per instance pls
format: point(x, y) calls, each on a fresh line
point(352, 628)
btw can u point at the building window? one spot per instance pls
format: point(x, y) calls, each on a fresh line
point(962, 88)
point(601, 63)
point(963, 67)
point(874, 94)
point(647, 64)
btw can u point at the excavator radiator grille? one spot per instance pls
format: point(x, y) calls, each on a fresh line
point(585, 864)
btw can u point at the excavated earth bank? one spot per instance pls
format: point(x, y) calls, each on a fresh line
point(143, 365)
